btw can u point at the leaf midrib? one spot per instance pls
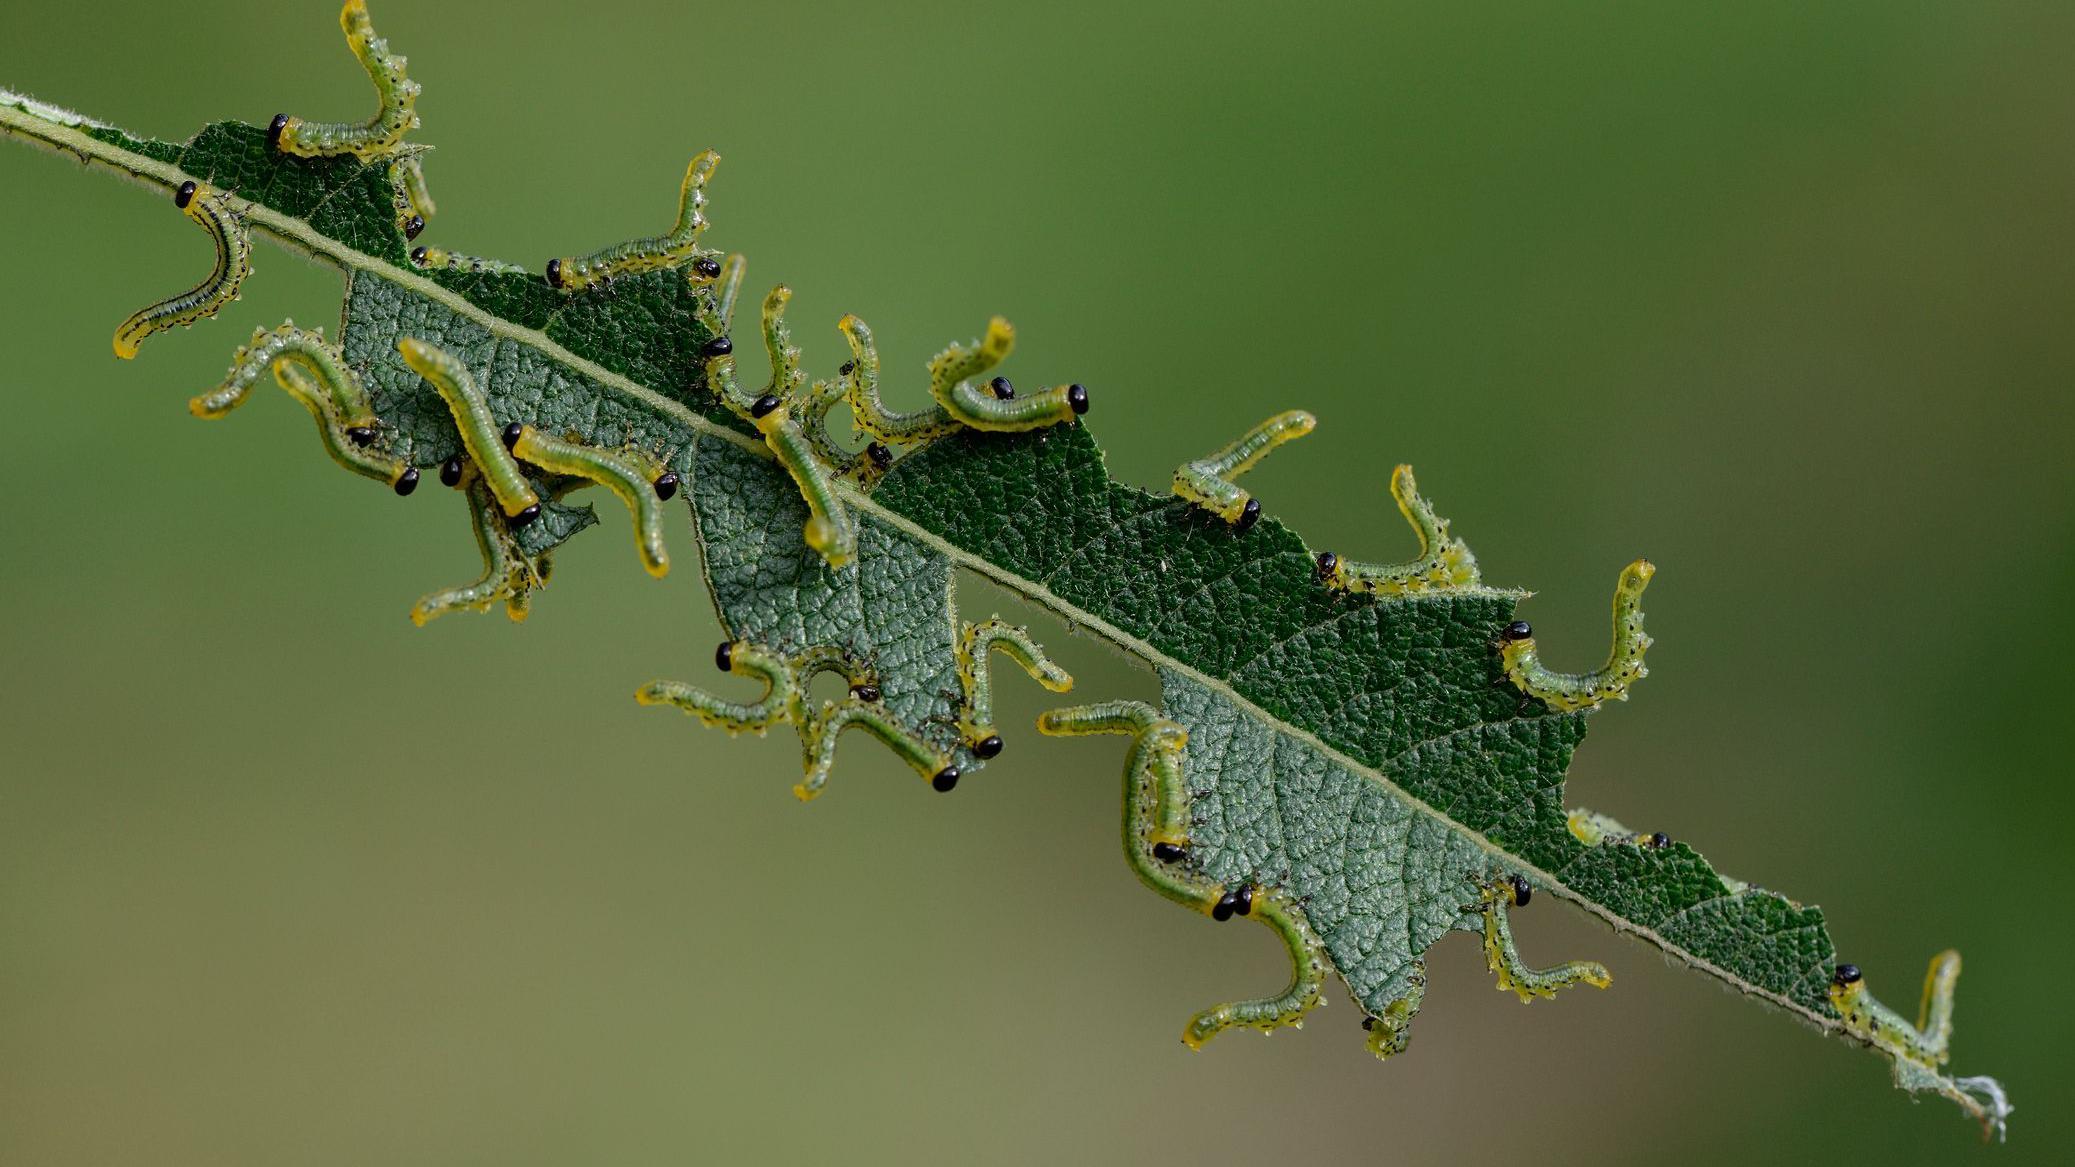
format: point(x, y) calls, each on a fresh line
point(299, 236)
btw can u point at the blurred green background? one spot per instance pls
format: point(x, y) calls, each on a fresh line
point(1777, 294)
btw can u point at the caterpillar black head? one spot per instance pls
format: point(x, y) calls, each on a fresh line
point(946, 779)
point(1518, 630)
point(407, 481)
point(450, 471)
point(412, 226)
point(1846, 974)
point(274, 129)
point(1322, 567)
point(719, 346)
point(707, 267)
point(554, 273)
point(185, 195)
point(1248, 514)
point(1077, 398)
point(666, 486)
point(764, 405)
point(1005, 390)
point(1522, 892)
point(988, 747)
point(724, 656)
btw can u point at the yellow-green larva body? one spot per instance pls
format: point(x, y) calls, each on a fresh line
point(287, 342)
point(819, 744)
point(1924, 1043)
point(457, 387)
point(1444, 561)
point(440, 259)
point(1624, 667)
point(830, 529)
point(974, 645)
point(680, 246)
point(727, 287)
point(1155, 817)
point(509, 575)
point(302, 385)
point(744, 660)
point(407, 176)
point(629, 476)
point(1514, 974)
point(1208, 482)
point(871, 414)
point(211, 209)
point(380, 134)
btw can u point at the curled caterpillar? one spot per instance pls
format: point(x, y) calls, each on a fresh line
point(577, 272)
point(1155, 814)
point(411, 197)
point(304, 386)
point(1925, 1043)
point(287, 342)
point(375, 137)
point(825, 728)
point(1503, 958)
point(1624, 667)
point(961, 401)
point(829, 530)
point(212, 210)
point(974, 645)
point(509, 574)
point(479, 433)
point(635, 479)
point(780, 701)
point(440, 259)
point(1444, 561)
point(1208, 482)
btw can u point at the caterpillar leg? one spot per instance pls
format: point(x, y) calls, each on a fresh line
point(681, 245)
point(378, 135)
point(509, 574)
point(1391, 1030)
point(1444, 561)
point(1208, 482)
point(1503, 958)
point(740, 657)
point(478, 426)
point(854, 713)
point(324, 360)
point(634, 478)
point(211, 210)
point(974, 645)
point(1624, 667)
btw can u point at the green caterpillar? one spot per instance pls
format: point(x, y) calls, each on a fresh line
point(212, 210)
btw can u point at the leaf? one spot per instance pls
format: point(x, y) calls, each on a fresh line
point(1362, 772)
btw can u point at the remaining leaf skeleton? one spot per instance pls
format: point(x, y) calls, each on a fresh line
point(1361, 757)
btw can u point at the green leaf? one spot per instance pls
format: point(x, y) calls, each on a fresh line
point(1361, 771)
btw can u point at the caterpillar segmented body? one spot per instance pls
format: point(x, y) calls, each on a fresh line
point(975, 644)
point(479, 431)
point(440, 259)
point(1925, 1042)
point(210, 209)
point(823, 731)
point(304, 386)
point(1624, 667)
point(1444, 561)
point(509, 574)
point(962, 401)
point(1155, 818)
point(779, 702)
point(1208, 482)
point(629, 476)
point(1502, 957)
point(681, 245)
point(287, 342)
point(380, 134)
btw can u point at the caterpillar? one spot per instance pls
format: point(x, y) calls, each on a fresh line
point(1155, 845)
point(1207, 483)
point(974, 645)
point(960, 401)
point(1571, 691)
point(440, 259)
point(637, 485)
point(287, 342)
point(212, 210)
point(509, 574)
point(1865, 1017)
point(824, 729)
point(577, 272)
point(457, 387)
point(1503, 958)
point(412, 199)
point(1592, 828)
point(727, 285)
point(829, 530)
point(779, 702)
point(367, 140)
point(1444, 561)
point(304, 386)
